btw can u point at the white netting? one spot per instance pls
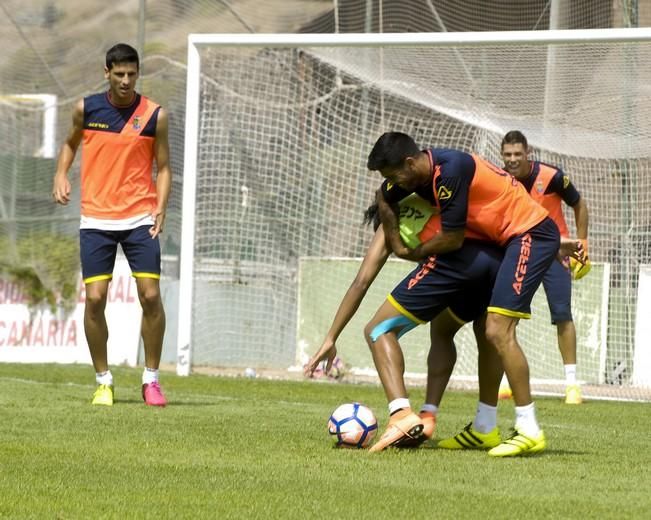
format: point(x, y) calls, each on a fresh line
point(283, 140)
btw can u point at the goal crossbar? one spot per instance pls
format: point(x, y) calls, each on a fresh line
point(556, 36)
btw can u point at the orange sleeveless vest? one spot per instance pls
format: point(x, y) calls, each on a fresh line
point(550, 201)
point(499, 207)
point(116, 169)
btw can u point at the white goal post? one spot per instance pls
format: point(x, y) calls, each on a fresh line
point(277, 129)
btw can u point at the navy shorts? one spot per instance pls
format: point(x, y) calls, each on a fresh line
point(469, 306)
point(461, 279)
point(558, 288)
point(98, 249)
point(527, 258)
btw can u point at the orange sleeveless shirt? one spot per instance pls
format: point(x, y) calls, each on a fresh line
point(550, 201)
point(116, 164)
point(499, 207)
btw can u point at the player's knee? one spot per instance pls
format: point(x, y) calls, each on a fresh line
point(95, 301)
point(497, 334)
point(150, 299)
point(368, 330)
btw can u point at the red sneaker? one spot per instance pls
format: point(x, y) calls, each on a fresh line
point(152, 395)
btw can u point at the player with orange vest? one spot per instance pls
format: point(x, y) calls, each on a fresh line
point(122, 134)
point(550, 187)
point(480, 201)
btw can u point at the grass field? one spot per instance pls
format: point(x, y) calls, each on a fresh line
point(241, 448)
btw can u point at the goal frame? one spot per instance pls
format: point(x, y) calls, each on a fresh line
point(197, 41)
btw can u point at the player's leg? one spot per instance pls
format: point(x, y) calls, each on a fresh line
point(153, 320)
point(143, 254)
point(467, 305)
point(442, 355)
point(567, 345)
point(558, 288)
point(500, 332)
point(440, 364)
point(97, 250)
point(417, 299)
point(95, 325)
point(526, 259)
point(382, 334)
point(482, 432)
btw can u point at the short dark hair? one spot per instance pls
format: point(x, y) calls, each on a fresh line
point(121, 53)
point(515, 137)
point(390, 150)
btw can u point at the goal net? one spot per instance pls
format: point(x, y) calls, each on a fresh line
point(278, 128)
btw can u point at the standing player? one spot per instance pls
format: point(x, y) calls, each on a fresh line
point(549, 186)
point(122, 133)
point(476, 199)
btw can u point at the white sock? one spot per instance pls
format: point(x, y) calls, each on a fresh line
point(525, 420)
point(397, 404)
point(486, 418)
point(104, 378)
point(149, 375)
point(430, 408)
point(570, 374)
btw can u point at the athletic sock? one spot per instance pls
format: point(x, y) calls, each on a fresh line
point(104, 378)
point(430, 408)
point(486, 418)
point(525, 420)
point(570, 374)
point(149, 375)
point(398, 404)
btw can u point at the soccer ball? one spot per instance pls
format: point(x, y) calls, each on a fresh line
point(352, 425)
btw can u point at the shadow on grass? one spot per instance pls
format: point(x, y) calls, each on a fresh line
point(172, 404)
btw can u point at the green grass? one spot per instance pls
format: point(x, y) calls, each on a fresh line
point(240, 448)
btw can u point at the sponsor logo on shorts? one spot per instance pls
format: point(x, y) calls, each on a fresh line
point(422, 272)
point(523, 261)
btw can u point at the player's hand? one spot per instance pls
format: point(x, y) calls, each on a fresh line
point(328, 351)
point(578, 270)
point(573, 248)
point(61, 190)
point(402, 251)
point(159, 218)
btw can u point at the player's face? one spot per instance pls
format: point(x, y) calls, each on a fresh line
point(406, 175)
point(122, 82)
point(515, 160)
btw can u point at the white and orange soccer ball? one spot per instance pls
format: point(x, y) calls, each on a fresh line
point(352, 425)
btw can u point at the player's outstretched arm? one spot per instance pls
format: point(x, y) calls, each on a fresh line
point(61, 185)
point(375, 258)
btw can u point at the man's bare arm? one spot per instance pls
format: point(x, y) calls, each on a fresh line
point(164, 175)
point(61, 185)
